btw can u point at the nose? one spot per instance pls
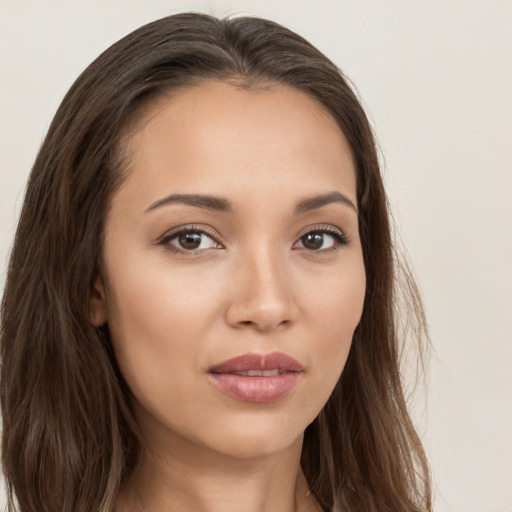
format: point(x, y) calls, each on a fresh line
point(263, 297)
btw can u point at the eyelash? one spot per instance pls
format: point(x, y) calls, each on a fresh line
point(166, 239)
point(340, 240)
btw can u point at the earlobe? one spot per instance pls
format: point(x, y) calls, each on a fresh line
point(99, 314)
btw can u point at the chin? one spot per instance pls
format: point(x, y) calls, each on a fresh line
point(254, 446)
point(253, 436)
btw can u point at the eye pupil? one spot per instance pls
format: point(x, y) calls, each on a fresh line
point(190, 240)
point(313, 240)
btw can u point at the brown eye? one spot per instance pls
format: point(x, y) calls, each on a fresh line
point(321, 240)
point(189, 240)
point(313, 241)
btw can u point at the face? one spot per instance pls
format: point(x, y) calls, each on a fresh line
point(233, 274)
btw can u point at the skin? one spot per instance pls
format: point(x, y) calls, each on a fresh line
point(256, 284)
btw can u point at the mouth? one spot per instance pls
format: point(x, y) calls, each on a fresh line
point(260, 373)
point(257, 378)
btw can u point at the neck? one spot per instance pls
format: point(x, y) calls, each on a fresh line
point(193, 478)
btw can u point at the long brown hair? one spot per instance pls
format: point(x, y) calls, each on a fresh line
point(69, 437)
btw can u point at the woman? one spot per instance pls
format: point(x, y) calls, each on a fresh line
point(199, 312)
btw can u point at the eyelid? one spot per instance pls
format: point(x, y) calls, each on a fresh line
point(339, 237)
point(322, 227)
point(187, 228)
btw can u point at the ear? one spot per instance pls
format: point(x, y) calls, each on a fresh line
point(99, 314)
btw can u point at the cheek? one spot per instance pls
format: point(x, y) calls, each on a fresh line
point(335, 302)
point(150, 299)
point(335, 311)
point(157, 320)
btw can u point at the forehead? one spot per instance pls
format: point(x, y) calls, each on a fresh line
point(217, 136)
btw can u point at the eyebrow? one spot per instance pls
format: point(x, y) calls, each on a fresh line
point(217, 204)
point(220, 204)
point(312, 203)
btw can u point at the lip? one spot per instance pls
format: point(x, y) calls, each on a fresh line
point(231, 377)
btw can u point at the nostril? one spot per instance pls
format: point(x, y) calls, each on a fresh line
point(263, 326)
point(261, 313)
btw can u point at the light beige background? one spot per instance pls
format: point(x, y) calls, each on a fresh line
point(436, 77)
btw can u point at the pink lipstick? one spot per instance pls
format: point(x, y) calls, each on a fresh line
point(258, 378)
